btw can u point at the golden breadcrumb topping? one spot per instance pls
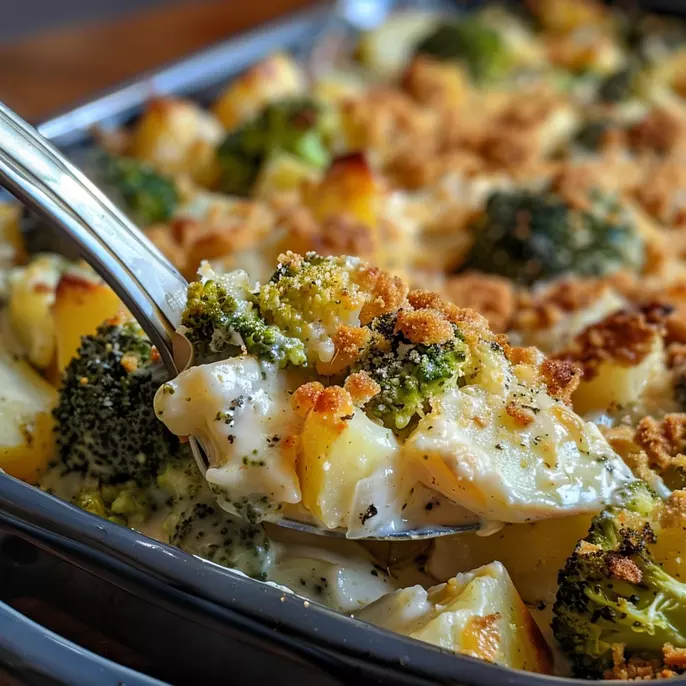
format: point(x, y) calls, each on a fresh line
point(491, 296)
point(424, 326)
point(361, 387)
point(624, 338)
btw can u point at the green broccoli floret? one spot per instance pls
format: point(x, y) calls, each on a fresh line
point(200, 527)
point(409, 374)
point(612, 591)
point(298, 126)
point(220, 316)
point(310, 297)
point(527, 236)
point(472, 41)
point(126, 504)
point(146, 195)
point(105, 422)
point(619, 86)
point(591, 135)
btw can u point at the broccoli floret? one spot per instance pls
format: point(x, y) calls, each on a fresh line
point(105, 422)
point(220, 317)
point(527, 236)
point(126, 504)
point(619, 86)
point(297, 126)
point(612, 591)
point(591, 135)
point(472, 41)
point(146, 195)
point(409, 374)
point(200, 527)
point(310, 297)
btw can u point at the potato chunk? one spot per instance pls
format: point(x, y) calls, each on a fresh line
point(32, 294)
point(502, 447)
point(26, 425)
point(81, 305)
point(337, 455)
point(178, 137)
point(478, 613)
point(274, 78)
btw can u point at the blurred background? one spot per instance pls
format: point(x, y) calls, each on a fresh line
point(56, 52)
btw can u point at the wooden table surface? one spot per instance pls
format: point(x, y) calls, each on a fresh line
point(49, 72)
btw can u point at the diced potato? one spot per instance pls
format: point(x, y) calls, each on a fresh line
point(347, 189)
point(337, 86)
point(547, 543)
point(12, 248)
point(595, 53)
point(178, 137)
point(617, 388)
point(26, 425)
point(282, 172)
point(32, 294)
point(388, 49)
point(335, 455)
point(81, 305)
point(478, 613)
point(275, 78)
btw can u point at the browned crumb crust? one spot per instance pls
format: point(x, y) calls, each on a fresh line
point(562, 378)
point(425, 326)
point(637, 669)
point(521, 415)
point(625, 338)
point(664, 442)
point(491, 296)
point(361, 387)
point(388, 293)
point(332, 403)
point(624, 569)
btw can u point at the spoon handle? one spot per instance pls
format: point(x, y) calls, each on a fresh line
point(40, 176)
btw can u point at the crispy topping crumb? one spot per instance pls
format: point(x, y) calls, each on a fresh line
point(522, 416)
point(663, 442)
point(424, 326)
point(492, 296)
point(361, 387)
point(625, 338)
point(624, 569)
point(562, 378)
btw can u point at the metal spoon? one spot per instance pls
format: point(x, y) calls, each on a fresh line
point(153, 290)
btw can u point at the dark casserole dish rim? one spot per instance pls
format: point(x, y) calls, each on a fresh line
point(164, 574)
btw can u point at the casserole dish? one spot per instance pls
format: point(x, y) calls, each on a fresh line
point(330, 642)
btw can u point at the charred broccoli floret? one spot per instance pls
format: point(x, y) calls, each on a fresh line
point(105, 422)
point(527, 236)
point(612, 591)
point(298, 126)
point(408, 373)
point(221, 316)
point(473, 42)
point(146, 195)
